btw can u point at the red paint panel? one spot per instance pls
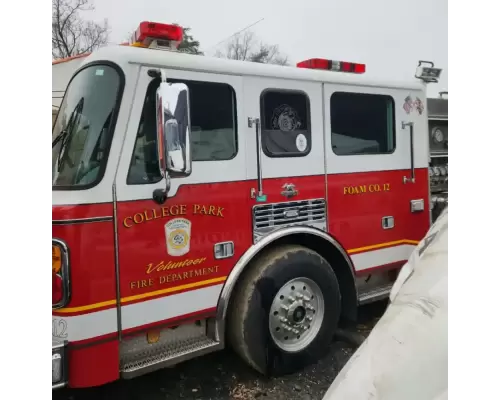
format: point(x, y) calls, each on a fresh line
point(94, 365)
point(308, 187)
point(91, 251)
point(143, 245)
point(355, 219)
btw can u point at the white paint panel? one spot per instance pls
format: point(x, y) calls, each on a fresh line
point(370, 259)
point(277, 167)
point(400, 158)
point(87, 326)
point(203, 171)
point(81, 327)
point(168, 307)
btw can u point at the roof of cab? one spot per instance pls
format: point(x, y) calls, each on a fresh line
point(123, 55)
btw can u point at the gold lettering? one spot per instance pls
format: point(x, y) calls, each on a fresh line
point(146, 216)
point(164, 212)
point(155, 215)
point(386, 187)
point(196, 209)
point(161, 266)
point(174, 210)
point(138, 220)
point(125, 222)
point(211, 210)
point(183, 210)
point(219, 212)
point(362, 189)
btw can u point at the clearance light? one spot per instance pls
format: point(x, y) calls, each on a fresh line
point(329, 65)
point(153, 34)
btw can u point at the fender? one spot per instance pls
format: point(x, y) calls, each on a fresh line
point(253, 251)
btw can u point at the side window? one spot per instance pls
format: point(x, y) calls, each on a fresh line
point(213, 128)
point(362, 123)
point(286, 128)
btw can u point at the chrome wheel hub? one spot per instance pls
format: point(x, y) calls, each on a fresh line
point(296, 314)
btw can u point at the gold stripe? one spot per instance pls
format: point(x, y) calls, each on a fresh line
point(380, 245)
point(207, 282)
point(141, 296)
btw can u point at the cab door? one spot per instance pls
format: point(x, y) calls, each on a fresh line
point(369, 161)
point(291, 163)
point(174, 257)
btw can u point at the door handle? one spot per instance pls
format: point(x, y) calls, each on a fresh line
point(289, 190)
point(412, 155)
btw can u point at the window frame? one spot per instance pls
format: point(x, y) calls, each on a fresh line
point(394, 136)
point(262, 105)
point(180, 80)
point(112, 125)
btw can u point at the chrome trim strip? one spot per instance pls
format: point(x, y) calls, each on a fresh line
point(117, 267)
point(250, 254)
point(65, 275)
point(81, 220)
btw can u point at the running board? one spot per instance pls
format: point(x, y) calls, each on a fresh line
point(376, 294)
point(169, 355)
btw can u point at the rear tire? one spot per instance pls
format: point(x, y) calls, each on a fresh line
point(285, 310)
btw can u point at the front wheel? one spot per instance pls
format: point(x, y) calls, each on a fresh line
point(285, 310)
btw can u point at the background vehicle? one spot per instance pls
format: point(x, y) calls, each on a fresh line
point(406, 354)
point(438, 140)
point(200, 202)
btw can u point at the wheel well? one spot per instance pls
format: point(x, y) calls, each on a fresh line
point(342, 269)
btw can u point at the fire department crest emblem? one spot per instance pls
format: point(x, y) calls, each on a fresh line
point(178, 236)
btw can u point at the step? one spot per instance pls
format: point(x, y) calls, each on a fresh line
point(375, 294)
point(169, 355)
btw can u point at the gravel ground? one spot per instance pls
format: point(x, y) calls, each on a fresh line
point(222, 376)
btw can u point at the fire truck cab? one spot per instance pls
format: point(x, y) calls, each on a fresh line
point(200, 203)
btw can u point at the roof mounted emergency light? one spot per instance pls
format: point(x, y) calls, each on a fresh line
point(329, 65)
point(428, 73)
point(153, 34)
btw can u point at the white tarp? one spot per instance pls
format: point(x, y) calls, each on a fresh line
point(406, 354)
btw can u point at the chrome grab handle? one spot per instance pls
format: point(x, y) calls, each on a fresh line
point(412, 155)
point(260, 192)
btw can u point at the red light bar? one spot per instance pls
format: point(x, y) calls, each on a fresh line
point(329, 65)
point(150, 31)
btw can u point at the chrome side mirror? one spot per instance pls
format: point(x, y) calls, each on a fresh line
point(173, 129)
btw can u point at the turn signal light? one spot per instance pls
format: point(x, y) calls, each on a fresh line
point(57, 288)
point(56, 259)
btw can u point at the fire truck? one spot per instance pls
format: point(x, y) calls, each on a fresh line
point(202, 203)
point(438, 140)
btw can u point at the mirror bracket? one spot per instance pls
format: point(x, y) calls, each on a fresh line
point(160, 195)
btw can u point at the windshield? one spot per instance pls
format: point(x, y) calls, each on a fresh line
point(82, 132)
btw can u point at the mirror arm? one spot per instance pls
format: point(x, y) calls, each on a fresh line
point(160, 195)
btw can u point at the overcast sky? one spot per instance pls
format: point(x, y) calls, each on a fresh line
point(389, 36)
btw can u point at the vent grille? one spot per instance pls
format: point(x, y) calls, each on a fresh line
point(292, 212)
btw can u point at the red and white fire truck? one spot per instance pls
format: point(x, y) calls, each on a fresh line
point(200, 203)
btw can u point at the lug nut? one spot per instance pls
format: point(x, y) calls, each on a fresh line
point(286, 308)
point(291, 298)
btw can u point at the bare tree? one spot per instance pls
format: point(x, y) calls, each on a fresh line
point(245, 47)
point(72, 35)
